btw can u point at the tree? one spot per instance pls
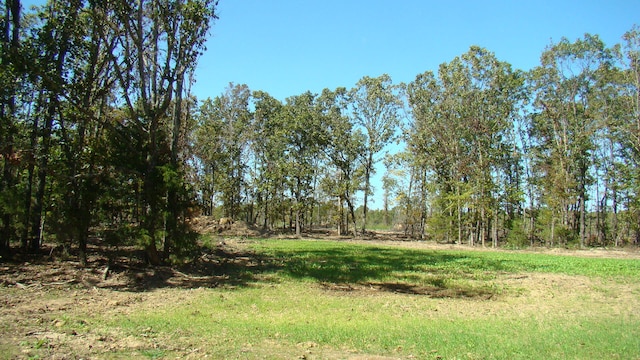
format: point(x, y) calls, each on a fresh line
point(375, 104)
point(269, 150)
point(10, 73)
point(461, 135)
point(158, 44)
point(81, 123)
point(303, 138)
point(626, 129)
point(565, 128)
point(344, 147)
point(223, 139)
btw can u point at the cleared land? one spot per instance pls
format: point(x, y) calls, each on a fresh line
point(327, 299)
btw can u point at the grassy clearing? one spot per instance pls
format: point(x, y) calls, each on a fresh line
point(289, 299)
point(357, 261)
point(292, 319)
point(337, 300)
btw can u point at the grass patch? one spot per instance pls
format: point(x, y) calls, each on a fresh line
point(292, 318)
point(275, 299)
point(353, 263)
point(338, 300)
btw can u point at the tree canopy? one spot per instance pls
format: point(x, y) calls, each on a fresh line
point(100, 137)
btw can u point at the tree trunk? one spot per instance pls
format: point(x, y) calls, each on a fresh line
point(298, 227)
point(174, 209)
point(36, 222)
point(582, 210)
point(367, 181)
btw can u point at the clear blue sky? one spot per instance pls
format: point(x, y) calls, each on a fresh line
point(286, 47)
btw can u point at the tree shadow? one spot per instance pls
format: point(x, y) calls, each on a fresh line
point(219, 267)
point(335, 266)
point(397, 270)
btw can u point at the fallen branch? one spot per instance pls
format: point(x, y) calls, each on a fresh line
point(24, 286)
point(190, 276)
point(61, 282)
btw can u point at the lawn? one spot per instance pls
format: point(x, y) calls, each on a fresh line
point(317, 299)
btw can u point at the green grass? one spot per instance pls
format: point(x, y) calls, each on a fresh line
point(335, 300)
point(347, 262)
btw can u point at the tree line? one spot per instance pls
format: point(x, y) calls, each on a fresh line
point(492, 155)
point(101, 136)
point(93, 121)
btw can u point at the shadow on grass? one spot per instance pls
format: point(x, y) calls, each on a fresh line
point(335, 266)
point(357, 267)
point(218, 267)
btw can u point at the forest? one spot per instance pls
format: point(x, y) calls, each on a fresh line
point(101, 137)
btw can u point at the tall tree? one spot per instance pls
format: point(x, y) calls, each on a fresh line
point(158, 44)
point(376, 103)
point(268, 146)
point(303, 133)
point(461, 135)
point(224, 138)
point(344, 147)
point(565, 128)
point(10, 70)
point(86, 94)
point(627, 127)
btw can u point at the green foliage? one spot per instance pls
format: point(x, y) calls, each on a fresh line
point(99, 132)
point(99, 136)
point(517, 237)
point(469, 151)
point(375, 105)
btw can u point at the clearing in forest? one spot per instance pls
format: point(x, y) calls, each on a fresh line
point(326, 299)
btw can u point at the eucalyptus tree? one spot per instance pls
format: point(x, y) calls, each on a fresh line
point(375, 104)
point(565, 127)
point(157, 44)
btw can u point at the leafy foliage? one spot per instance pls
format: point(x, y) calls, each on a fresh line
point(100, 135)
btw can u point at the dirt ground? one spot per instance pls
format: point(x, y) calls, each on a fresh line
point(37, 295)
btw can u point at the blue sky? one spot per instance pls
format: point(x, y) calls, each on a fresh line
point(286, 47)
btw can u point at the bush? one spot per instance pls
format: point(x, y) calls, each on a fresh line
point(517, 237)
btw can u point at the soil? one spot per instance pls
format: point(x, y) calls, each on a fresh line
point(224, 227)
point(39, 296)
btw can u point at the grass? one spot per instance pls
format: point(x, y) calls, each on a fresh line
point(248, 322)
point(348, 262)
point(338, 300)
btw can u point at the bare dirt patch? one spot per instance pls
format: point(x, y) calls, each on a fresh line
point(224, 227)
